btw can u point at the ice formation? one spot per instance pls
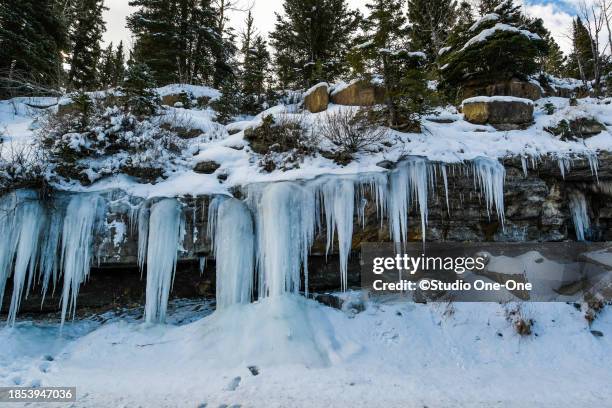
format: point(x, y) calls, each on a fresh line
point(261, 245)
point(285, 218)
point(82, 214)
point(232, 239)
point(580, 215)
point(166, 229)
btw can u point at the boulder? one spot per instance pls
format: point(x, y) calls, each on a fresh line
point(580, 128)
point(358, 93)
point(316, 98)
point(513, 87)
point(504, 113)
point(206, 167)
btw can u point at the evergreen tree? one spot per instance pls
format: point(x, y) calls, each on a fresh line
point(554, 62)
point(429, 24)
point(581, 61)
point(85, 38)
point(384, 56)
point(228, 105)
point(107, 67)
point(508, 49)
point(140, 98)
point(32, 36)
point(465, 14)
point(181, 41)
point(311, 39)
point(254, 72)
point(488, 6)
point(118, 66)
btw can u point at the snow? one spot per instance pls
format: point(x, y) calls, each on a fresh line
point(497, 98)
point(195, 91)
point(396, 353)
point(484, 19)
point(315, 87)
point(488, 32)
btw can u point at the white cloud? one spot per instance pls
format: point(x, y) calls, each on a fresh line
point(557, 21)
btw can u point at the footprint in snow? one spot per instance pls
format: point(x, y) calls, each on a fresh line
point(233, 384)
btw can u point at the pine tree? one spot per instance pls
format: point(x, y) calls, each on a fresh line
point(311, 39)
point(107, 67)
point(429, 24)
point(85, 38)
point(384, 56)
point(228, 105)
point(118, 66)
point(181, 41)
point(32, 36)
point(488, 6)
point(554, 62)
point(581, 61)
point(508, 49)
point(140, 98)
point(255, 57)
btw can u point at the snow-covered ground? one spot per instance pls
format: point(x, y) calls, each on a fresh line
point(287, 351)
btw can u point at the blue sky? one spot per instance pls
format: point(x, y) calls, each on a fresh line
point(557, 16)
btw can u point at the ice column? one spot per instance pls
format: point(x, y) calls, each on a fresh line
point(233, 243)
point(285, 223)
point(80, 222)
point(166, 229)
point(339, 204)
point(580, 215)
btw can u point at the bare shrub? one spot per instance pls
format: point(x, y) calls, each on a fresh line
point(351, 132)
point(24, 166)
point(516, 315)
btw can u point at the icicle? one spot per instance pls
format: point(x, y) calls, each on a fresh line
point(233, 245)
point(286, 216)
point(48, 264)
point(29, 221)
point(409, 180)
point(339, 204)
point(445, 179)
point(8, 244)
point(143, 234)
point(80, 222)
point(594, 165)
point(165, 235)
point(524, 165)
point(202, 264)
point(580, 215)
point(565, 165)
point(490, 175)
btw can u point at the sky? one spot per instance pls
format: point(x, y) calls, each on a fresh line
point(557, 16)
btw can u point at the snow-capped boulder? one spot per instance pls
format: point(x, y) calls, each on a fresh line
point(503, 112)
point(358, 93)
point(316, 98)
point(514, 87)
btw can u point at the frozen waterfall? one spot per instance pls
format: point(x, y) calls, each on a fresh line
point(231, 233)
point(166, 229)
point(580, 214)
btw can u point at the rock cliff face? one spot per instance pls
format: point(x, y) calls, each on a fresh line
point(537, 208)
